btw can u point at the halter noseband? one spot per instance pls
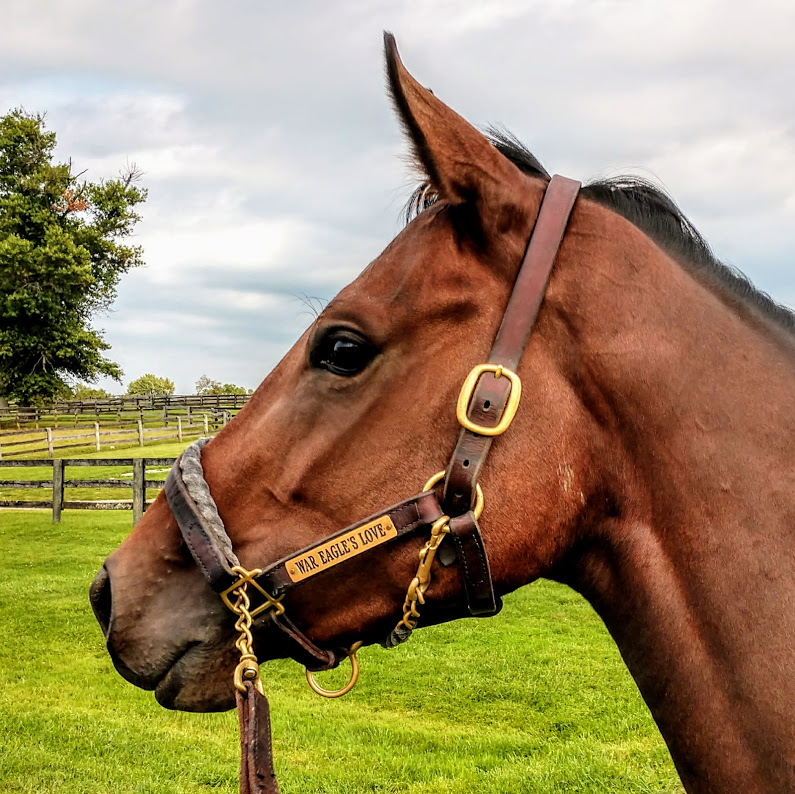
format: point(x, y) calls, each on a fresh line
point(486, 406)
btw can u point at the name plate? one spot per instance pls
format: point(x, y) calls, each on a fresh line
point(342, 548)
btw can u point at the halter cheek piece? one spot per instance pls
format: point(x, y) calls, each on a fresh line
point(486, 406)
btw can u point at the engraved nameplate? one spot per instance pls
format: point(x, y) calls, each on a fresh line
point(342, 548)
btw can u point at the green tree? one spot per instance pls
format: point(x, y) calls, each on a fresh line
point(62, 253)
point(151, 386)
point(231, 388)
point(206, 386)
point(82, 391)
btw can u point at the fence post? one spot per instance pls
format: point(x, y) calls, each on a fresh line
point(206, 426)
point(140, 433)
point(139, 489)
point(57, 490)
point(96, 434)
point(165, 414)
point(49, 441)
point(179, 428)
point(1, 451)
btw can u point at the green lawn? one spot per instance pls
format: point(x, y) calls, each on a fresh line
point(534, 700)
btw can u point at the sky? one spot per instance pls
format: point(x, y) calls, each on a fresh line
point(276, 170)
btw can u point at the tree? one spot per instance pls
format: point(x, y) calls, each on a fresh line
point(206, 386)
point(151, 386)
point(82, 391)
point(231, 388)
point(62, 254)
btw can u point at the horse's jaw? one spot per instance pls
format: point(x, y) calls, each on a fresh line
point(199, 680)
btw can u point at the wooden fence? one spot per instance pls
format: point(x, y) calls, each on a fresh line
point(138, 483)
point(76, 410)
point(114, 433)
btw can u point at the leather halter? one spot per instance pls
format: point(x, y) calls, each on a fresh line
point(486, 406)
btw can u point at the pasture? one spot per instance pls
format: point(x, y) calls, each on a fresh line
point(533, 700)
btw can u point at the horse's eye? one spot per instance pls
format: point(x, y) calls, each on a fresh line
point(342, 352)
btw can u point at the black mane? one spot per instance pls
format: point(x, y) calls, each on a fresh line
point(654, 212)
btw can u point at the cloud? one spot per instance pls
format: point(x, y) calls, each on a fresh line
point(273, 161)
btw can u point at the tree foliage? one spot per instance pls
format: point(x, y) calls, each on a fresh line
point(231, 388)
point(207, 386)
point(62, 253)
point(82, 391)
point(151, 386)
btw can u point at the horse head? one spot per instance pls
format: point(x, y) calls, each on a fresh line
point(359, 414)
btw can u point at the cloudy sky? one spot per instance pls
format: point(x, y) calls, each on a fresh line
point(274, 164)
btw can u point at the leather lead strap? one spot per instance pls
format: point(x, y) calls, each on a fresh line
point(491, 393)
point(257, 775)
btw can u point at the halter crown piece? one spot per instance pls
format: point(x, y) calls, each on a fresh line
point(486, 407)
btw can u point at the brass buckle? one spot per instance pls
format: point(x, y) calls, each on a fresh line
point(247, 577)
point(468, 389)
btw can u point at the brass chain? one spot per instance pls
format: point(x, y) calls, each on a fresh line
point(248, 667)
point(420, 583)
point(415, 597)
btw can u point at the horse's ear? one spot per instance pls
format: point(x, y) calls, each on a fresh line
point(461, 165)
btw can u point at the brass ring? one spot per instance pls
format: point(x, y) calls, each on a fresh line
point(337, 693)
point(479, 500)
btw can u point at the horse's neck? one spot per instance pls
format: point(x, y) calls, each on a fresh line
point(693, 572)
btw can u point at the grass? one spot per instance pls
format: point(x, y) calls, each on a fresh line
point(533, 700)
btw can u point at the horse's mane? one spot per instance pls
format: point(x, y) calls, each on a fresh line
point(655, 213)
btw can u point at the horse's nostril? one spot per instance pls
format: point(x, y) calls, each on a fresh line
point(100, 597)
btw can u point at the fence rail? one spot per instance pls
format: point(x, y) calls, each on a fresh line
point(19, 415)
point(58, 483)
point(195, 426)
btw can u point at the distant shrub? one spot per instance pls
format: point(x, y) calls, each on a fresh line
point(82, 391)
point(151, 386)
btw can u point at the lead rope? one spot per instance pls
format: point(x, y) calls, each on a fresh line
point(257, 775)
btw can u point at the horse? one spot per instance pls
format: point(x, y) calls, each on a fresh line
point(648, 466)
